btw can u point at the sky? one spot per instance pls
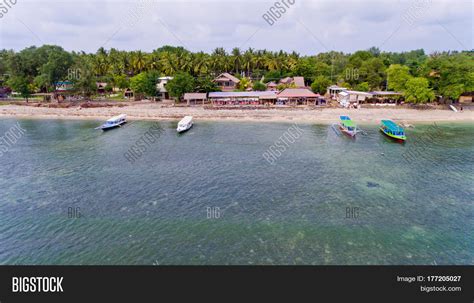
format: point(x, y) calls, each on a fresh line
point(307, 26)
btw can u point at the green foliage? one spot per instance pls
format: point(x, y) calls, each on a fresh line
point(121, 81)
point(448, 73)
point(363, 87)
point(144, 83)
point(181, 83)
point(320, 84)
point(244, 84)
point(259, 86)
point(417, 91)
point(21, 85)
point(452, 75)
point(205, 85)
point(398, 76)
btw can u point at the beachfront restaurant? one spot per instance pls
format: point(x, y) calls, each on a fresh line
point(385, 96)
point(298, 96)
point(240, 98)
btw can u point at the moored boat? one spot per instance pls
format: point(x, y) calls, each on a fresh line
point(113, 122)
point(393, 130)
point(185, 124)
point(347, 126)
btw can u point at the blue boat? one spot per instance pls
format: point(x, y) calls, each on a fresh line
point(393, 130)
point(113, 122)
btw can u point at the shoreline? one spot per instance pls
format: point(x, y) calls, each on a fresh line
point(153, 112)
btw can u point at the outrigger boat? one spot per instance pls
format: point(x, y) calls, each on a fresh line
point(113, 122)
point(347, 126)
point(185, 124)
point(393, 130)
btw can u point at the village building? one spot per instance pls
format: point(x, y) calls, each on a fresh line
point(162, 93)
point(351, 97)
point(128, 93)
point(333, 90)
point(63, 86)
point(467, 98)
point(101, 87)
point(4, 92)
point(63, 89)
point(195, 98)
point(385, 96)
point(297, 96)
point(298, 82)
point(240, 98)
point(272, 86)
point(226, 82)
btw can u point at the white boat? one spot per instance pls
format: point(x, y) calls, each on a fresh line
point(185, 124)
point(113, 122)
point(453, 108)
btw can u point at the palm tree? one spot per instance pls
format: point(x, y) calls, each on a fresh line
point(138, 62)
point(236, 59)
point(200, 63)
point(168, 63)
point(248, 61)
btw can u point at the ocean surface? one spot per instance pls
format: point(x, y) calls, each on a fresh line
point(68, 195)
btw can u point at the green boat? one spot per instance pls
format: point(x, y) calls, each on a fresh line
point(347, 126)
point(393, 130)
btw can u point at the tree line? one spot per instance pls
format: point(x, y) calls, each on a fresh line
point(418, 75)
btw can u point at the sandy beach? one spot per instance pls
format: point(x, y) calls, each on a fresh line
point(300, 115)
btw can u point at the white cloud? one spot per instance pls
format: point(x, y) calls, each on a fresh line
point(204, 25)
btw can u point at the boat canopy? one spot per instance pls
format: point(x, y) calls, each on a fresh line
point(348, 123)
point(186, 120)
point(392, 126)
point(117, 118)
point(344, 118)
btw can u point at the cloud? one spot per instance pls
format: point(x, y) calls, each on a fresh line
point(307, 27)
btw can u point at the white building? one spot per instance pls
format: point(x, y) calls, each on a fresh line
point(161, 87)
point(333, 90)
point(348, 97)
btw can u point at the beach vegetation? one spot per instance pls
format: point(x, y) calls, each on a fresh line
point(449, 74)
point(144, 84)
point(363, 87)
point(259, 86)
point(21, 85)
point(417, 90)
point(181, 83)
point(320, 84)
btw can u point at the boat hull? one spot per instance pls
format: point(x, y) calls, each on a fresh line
point(184, 129)
point(398, 138)
point(348, 133)
point(106, 128)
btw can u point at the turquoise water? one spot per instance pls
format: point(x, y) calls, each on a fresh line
point(209, 197)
